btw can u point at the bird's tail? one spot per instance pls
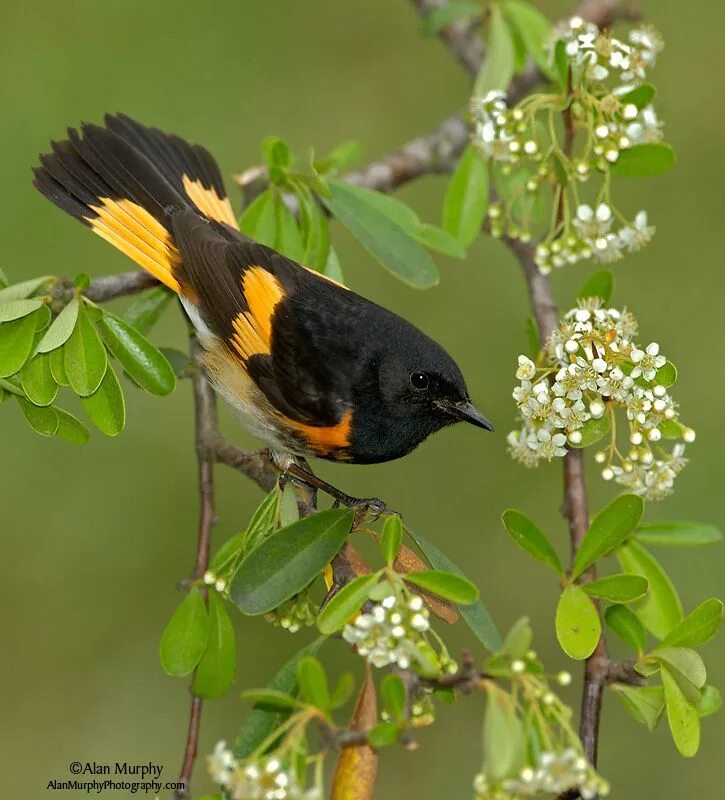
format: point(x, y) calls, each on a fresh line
point(124, 181)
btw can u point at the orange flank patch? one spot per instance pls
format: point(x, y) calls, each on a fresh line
point(209, 202)
point(138, 234)
point(324, 440)
point(253, 328)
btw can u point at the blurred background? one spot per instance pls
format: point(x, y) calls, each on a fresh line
point(95, 539)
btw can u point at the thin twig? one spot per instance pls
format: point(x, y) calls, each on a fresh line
point(206, 426)
point(101, 290)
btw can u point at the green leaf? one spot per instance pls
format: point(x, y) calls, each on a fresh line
point(625, 623)
point(289, 511)
point(61, 328)
point(259, 219)
point(449, 585)
point(535, 31)
point(70, 428)
point(435, 238)
point(383, 734)
point(289, 237)
point(315, 233)
point(16, 343)
point(16, 309)
point(332, 267)
point(617, 588)
point(682, 717)
point(180, 362)
point(106, 407)
point(517, 641)
point(612, 525)
point(345, 604)
point(688, 663)
point(184, 639)
point(146, 311)
point(42, 420)
point(215, 673)
point(37, 380)
point(285, 563)
point(312, 681)
point(144, 363)
point(445, 15)
point(392, 693)
point(593, 431)
point(359, 211)
point(84, 356)
point(497, 69)
point(578, 627)
point(57, 366)
point(476, 616)
point(667, 375)
point(661, 609)
point(260, 722)
point(264, 520)
point(600, 284)
point(710, 701)
point(466, 200)
point(339, 158)
point(503, 740)
point(561, 64)
point(643, 160)
point(342, 691)
point(392, 538)
point(698, 627)
point(644, 703)
point(640, 96)
point(19, 291)
point(276, 152)
point(530, 538)
point(271, 699)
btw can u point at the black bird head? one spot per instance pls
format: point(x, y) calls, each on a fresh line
point(411, 388)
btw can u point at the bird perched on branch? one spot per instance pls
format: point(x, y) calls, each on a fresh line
point(314, 368)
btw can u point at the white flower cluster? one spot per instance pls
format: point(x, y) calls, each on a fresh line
point(500, 132)
point(591, 236)
point(591, 365)
point(598, 56)
point(265, 779)
point(553, 773)
point(391, 633)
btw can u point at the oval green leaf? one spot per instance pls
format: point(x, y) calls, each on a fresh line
point(535, 31)
point(106, 407)
point(661, 609)
point(666, 375)
point(686, 662)
point(16, 343)
point(345, 604)
point(625, 623)
point(215, 672)
point(392, 693)
point(578, 626)
point(448, 585)
point(16, 309)
point(70, 428)
point(284, 563)
point(683, 719)
point(184, 639)
point(612, 525)
point(259, 220)
point(144, 363)
point(600, 284)
point(698, 627)
point(498, 66)
point(57, 366)
point(643, 160)
point(37, 380)
point(644, 703)
point(641, 96)
point(678, 534)
point(392, 538)
point(19, 291)
point(466, 200)
point(617, 588)
point(61, 328)
point(84, 356)
point(593, 431)
point(381, 236)
point(145, 312)
point(529, 537)
point(42, 420)
point(710, 701)
point(313, 684)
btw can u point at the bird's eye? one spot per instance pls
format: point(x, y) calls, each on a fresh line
point(419, 381)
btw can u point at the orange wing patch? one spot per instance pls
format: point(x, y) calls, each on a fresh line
point(138, 234)
point(209, 202)
point(325, 440)
point(253, 328)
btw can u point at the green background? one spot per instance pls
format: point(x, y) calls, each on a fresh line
point(94, 539)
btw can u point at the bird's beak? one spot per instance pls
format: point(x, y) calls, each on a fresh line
point(465, 411)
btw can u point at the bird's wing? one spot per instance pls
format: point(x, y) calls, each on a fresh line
point(289, 329)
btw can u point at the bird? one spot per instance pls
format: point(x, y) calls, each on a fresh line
point(312, 368)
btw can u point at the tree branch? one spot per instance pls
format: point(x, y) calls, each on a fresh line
point(101, 290)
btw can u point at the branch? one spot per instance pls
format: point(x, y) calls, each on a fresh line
point(206, 426)
point(101, 290)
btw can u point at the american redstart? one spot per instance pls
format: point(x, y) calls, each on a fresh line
point(314, 368)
